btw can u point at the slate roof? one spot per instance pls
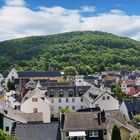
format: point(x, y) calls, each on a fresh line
point(82, 121)
point(38, 131)
point(133, 106)
point(93, 77)
point(28, 74)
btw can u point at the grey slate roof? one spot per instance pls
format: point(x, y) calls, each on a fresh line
point(38, 131)
point(82, 121)
point(133, 106)
point(39, 74)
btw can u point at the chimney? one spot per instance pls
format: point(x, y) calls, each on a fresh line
point(62, 120)
point(99, 118)
point(103, 118)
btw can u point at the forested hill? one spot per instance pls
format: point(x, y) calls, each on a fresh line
point(87, 51)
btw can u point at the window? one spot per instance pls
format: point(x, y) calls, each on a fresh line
point(105, 132)
point(13, 78)
point(7, 128)
point(82, 107)
point(35, 110)
point(73, 107)
point(52, 100)
point(59, 100)
point(108, 97)
point(67, 100)
point(73, 99)
point(70, 93)
point(34, 99)
point(81, 99)
point(59, 107)
point(61, 93)
point(42, 98)
point(51, 93)
point(26, 98)
point(93, 133)
point(103, 98)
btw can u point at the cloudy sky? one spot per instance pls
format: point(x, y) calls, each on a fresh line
point(20, 18)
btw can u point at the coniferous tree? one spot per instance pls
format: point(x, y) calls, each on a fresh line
point(116, 135)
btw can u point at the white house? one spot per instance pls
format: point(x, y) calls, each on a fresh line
point(10, 99)
point(35, 102)
point(73, 103)
point(79, 81)
point(124, 87)
point(11, 76)
point(96, 97)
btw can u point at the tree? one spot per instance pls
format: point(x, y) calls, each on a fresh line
point(70, 70)
point(11, 85)
point(116, 135)
point(101, 68)
point(118, 92)
point(4, 136)
point(136, 119)
point(63, 110)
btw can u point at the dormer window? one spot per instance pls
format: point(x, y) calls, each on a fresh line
point(61, 93)
point(90, 95)
point(70, 93)
point(51, 93)
point(80, 92)
point(46, 93)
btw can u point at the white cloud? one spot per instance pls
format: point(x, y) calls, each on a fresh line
point(19, 21)
point(15, 2)
point(88, 8)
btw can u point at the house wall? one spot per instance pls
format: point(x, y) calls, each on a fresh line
point(13, 73)
point(87, 102)
point(7, 123)
point(124, 87)
point(106, 104)
point(124, 111)
point(57, 78)
point(125, 134)
point(41, 105)
point(78, 104)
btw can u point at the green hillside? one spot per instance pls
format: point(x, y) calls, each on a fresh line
point(87, 51)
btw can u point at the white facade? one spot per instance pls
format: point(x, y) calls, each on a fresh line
point(73, 103)
point(10, 100)
point(96, 97)
point(124, 87)
point(11, 76)
point(124, 111)
point(106, 102)
point(137, 82)
point(36, 103)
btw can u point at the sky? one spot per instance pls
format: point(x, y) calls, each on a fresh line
point(21, 18)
